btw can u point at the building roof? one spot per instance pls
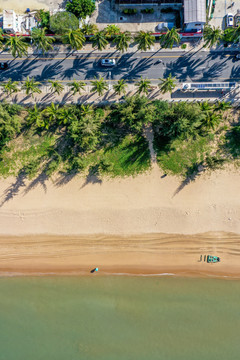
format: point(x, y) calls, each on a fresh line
point(194, 11)
point(9, 20)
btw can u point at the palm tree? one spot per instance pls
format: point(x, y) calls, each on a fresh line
point(211, 120)
point(112, 30)
point(10, 87)
point(16, 45)
point(77, 86)
point(75, 38)
point(167, 40)
point(120, 87)
point(86, 110)
point(99, 85)
point(122, 41)
point(167, 84)
point(144, 40)
point(143, 85)
point(35, 116)
point(1, 37)
point(99, 40)
point(40, 39)
point(65, 115)
point(222, 106)
point(205, 106)
point(51, 114)
point(89, 29)
point(211, 35)
point(56, 86)
point(31, 86)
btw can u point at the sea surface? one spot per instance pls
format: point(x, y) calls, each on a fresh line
point(119, 318)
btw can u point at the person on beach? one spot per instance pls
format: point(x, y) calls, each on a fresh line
point(94, 270)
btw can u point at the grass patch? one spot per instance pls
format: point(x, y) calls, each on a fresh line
point(182, 157)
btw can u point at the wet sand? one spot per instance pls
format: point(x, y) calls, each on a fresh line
point(155, 254)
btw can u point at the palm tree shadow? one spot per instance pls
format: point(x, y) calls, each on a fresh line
point(14, 188)
point(193, 175)
point(40, 179)
point(93, 176)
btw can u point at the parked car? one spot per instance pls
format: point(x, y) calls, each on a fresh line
point(108, 62)
point(229, 20)
point(3, 65)
point(237, 57)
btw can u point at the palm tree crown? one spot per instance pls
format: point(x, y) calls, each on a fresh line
point(89, 29)
point(99, 85)
point(122, 41)
point(77, 86)
point(40, 39)
point(10, 87)
point(167, 40)
point(120, 87)
point(143, 85)
point(75, 38)
point(56, 86)
point(99, 40)
point(167, 84)
point(144, 40)
point(16, 45)
point(31, 86)
point(112, 30)
point(211, 35)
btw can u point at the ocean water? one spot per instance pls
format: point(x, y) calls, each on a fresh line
point(119, 318)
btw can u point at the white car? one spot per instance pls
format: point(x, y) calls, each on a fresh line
point(108, 62)
point(229, 20)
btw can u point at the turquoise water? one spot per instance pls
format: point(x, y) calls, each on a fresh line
point(115, 318)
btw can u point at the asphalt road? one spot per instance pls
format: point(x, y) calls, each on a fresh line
point(198, 66)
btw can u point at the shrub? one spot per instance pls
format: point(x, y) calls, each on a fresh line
point(62, 21)
point(147, 11)
point(81, 8)
point(130, 11)
point(43, 17)
point(183, 46)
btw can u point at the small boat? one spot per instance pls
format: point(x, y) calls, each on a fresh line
point(213, 259)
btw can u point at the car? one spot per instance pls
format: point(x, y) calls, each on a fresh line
point(3, 65)
point(108, 62)
point(229, 20)
point(237, 57)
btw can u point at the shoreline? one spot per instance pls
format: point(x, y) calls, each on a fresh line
point(138, 255)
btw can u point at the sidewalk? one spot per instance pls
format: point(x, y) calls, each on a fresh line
point(46, 97)
point(63, 49)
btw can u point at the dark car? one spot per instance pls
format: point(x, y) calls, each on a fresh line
point(3, 65)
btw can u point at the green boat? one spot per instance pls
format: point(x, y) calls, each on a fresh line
point(213, 259)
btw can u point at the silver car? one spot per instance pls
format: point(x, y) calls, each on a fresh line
point(108, 62)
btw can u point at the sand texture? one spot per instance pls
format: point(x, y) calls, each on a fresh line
point(54, 226)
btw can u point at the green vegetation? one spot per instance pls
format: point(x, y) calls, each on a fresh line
point(97, 141)
point(170, 38)
point(43, 17)
point(212, 36)
point(122, 41)
point(144, 40)
point(62, 22)
point(16, 45)
point(40, 40)
point(99, 40)
point(75, 38)
point(81, 8)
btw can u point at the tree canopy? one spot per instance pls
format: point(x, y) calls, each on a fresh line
point(81, 8)
point(62, 21)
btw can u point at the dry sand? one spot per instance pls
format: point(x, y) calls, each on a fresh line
point(21, 6)
point(77, 210)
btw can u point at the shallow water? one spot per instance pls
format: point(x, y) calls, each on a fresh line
point(115, 318)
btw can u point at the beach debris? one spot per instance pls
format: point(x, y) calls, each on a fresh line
point(94, 270)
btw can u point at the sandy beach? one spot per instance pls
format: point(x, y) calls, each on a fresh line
point(53, 226)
